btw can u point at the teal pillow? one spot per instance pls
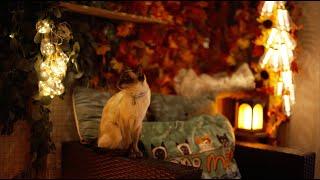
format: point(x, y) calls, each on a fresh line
point(178, 108)
point(203, 141)
point(87, 106)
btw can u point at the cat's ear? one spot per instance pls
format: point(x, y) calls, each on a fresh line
point(162, 144)
point(218, 136)
point(140, 73)
point(152, 146)
point(186, 141)
point(177, 144)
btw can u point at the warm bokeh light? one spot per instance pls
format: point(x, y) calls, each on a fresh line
point(250, 119)
point(279, 46)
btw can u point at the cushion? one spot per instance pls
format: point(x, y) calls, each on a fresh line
point(173, 108)
point(88, 105)
point(205, 141)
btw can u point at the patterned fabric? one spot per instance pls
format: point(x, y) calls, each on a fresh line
point(88, 105)
point(174, 108)
point(203, 141)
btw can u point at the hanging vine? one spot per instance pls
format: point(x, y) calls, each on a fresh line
point(19, 86)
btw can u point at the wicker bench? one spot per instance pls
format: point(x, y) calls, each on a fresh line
point(83, 162)
point(254, 161)
point(257, 161)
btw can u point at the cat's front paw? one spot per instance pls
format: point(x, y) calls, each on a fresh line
point(135, 154)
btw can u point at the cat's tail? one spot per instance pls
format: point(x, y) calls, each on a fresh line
point(110, 139)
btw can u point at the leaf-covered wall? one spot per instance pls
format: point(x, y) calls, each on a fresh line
point(206, 36)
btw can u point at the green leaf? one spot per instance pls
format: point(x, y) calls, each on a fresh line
point(37, 38)
point(38, 62)
point(76, 47)
point(46, 100)
point(78, 75)
point(57, 12)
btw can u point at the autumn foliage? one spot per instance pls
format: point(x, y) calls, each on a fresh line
point(207, 36)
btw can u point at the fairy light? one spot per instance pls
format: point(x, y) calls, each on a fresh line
point(52, 69)
point(283, 19)
point(46, 47)
point(287, 106)
point(279, 46)
point(267, 8)
point(279, 88)
point(43, 26)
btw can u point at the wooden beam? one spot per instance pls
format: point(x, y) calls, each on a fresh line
point(93, 11)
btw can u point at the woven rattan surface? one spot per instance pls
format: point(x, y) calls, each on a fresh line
point(79, 161)
point(15, 151)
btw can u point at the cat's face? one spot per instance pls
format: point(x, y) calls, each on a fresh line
point(131, 76)
point(184, 148)
point(223, 139)
point(159, 152)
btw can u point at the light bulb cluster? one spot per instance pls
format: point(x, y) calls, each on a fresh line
point(279, 46)
point(52, 69)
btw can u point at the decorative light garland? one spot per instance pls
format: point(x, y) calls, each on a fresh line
point(279, 46)
point(52, 68)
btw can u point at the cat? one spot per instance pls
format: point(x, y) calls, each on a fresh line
point(204, 143)
point(123, 113)
point(184, 148)
point(223, 140)
point(159, 152)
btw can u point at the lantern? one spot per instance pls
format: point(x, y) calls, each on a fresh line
point(250, 116)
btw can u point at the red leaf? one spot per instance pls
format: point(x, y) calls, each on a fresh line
point(196, 14)
point(131, 61)
point(294, 67)
point(257, 51)
point(123, 47)
point(125, 29)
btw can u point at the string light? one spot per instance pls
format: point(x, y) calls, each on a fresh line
point(52, 69)
point(43, 26)
point(46, 47)
point(279, 48)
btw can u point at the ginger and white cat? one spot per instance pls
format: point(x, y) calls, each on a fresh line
point(122, 116)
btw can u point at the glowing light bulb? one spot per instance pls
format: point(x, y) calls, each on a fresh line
point(44, 90)
point(287, 78)
point(46, 47)
point(61, 56)
point(285, 57)
point(272, 37)
point(288, 40)
point(292, 98)
point(279, 88)
point(286, 102)
point(44, 76)
point(283, 19)
point(266, 57)
point(267, 8)
point(43, 26)
point(275, 60)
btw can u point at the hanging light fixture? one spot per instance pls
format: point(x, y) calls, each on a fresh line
point(279, 46)
point(53, 66)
